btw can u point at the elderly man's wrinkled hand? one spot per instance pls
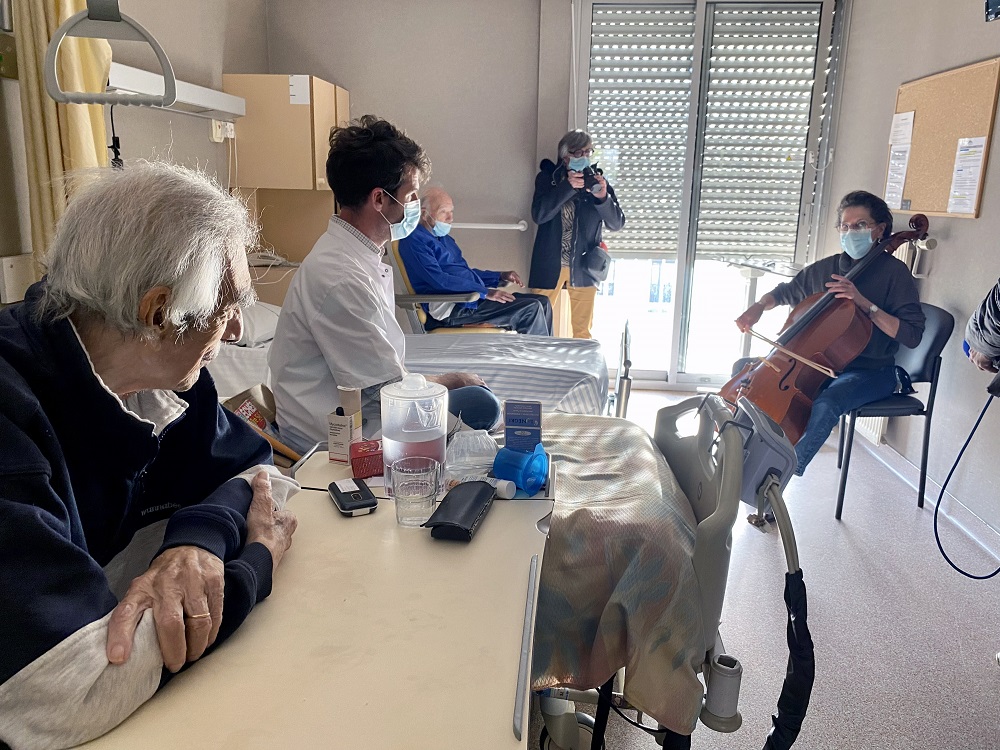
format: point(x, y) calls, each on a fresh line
point(575, 179)
point(184, 588)
point(511, 277)
point(499, 295)
point(981, 361)
point(266, 524)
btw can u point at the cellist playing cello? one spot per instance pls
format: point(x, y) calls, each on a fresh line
point(886, 292)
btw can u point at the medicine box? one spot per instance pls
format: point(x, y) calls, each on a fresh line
point(343, 432)
point(522, 424)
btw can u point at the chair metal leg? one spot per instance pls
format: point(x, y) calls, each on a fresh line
point(923, 461)
point(840, 445)
point(847, 463)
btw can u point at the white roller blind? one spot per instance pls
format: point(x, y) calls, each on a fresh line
point(639, 103)
point(755, 117)
point(761, 70)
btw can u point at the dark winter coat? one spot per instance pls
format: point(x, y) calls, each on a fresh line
point(552, 190)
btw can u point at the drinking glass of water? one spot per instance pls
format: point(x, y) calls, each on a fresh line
point(415, 488)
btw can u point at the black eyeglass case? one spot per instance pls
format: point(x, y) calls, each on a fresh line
point(461, 512)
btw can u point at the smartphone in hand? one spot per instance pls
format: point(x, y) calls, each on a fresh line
point(352, 497)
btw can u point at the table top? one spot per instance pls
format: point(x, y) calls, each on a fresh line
point(374, 636)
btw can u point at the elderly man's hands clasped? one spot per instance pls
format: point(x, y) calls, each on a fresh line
point(184, 588)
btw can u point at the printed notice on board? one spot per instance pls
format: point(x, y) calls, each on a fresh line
point(965, 178)
point(902, 129)
point(899, 158)
point(298, 89)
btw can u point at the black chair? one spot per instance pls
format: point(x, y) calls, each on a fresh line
point(923, 365)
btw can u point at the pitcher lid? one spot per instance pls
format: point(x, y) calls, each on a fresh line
point(414, 385)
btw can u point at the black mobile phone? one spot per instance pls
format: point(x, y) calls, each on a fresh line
point(352, 497)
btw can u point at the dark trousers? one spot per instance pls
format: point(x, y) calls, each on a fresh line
point(528, 313)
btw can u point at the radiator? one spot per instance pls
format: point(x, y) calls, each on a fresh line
point(873, 428)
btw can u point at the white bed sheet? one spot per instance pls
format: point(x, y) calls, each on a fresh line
point(237, 368)
point(566, 375)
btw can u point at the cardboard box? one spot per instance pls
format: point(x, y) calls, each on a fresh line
point(343, 432)
point(522, 424)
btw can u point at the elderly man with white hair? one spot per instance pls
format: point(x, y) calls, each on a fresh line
point(434, 265)
point(138, 521)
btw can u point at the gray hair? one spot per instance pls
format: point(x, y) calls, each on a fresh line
point(574, 140)
point(152, 224)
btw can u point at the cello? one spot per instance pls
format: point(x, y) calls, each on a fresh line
point(821, 336)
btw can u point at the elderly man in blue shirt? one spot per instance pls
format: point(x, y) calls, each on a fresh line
point(435, 265)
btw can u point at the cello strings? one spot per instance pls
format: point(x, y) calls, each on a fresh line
point(825, 370)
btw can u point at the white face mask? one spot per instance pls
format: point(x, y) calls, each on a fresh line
point(411, 217)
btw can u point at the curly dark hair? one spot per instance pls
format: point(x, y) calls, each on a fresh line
point(875, 205)
point(371, 153)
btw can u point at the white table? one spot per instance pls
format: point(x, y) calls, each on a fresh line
point(375, 636)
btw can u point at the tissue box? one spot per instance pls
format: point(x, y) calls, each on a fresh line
point(366, 459)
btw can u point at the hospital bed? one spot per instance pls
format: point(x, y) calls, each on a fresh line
point(636, 563)
point(566, 375)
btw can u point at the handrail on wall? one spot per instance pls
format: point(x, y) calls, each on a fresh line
point(521, 226)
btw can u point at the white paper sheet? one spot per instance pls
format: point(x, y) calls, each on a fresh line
point(298, 89)
point(899, 158)
point(965, 177)
point(902, 129)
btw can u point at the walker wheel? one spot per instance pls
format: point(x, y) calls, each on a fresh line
point(586, 724)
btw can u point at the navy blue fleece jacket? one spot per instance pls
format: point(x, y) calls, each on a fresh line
point(79, 476)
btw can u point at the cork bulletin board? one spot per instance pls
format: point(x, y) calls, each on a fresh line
point(956, 104)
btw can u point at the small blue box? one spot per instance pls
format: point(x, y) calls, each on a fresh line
point(522, 425)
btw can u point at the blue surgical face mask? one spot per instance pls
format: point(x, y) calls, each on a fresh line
point(856, 244)
point(578, 163)
point(440, 228)
point(411, 217)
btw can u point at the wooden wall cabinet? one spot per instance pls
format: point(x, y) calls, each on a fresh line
point(283, 140)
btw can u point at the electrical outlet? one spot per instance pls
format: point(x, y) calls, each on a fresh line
point(218, 134)
point(8, 57)
point(229, 129)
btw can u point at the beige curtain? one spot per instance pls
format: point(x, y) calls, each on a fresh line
point(58, 137)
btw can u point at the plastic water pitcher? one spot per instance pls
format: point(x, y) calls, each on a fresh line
point(414, 421)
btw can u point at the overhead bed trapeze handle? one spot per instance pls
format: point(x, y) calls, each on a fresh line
point(103, 20)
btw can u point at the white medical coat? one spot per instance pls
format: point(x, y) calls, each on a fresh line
point(337, 327)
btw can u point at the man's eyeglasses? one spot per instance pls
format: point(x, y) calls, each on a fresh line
point(581, 152)
point(860, 226)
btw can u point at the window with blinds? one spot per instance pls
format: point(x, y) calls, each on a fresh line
point(759, 66)
point(638, 112)
point(761, 70)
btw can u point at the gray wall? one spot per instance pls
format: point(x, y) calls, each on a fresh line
point(15, 230)
point(888, 47)
point(202, 40)
point(460, 77)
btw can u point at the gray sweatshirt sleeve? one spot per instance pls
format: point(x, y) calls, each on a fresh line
point(983, 329)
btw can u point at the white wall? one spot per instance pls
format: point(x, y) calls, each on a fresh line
point(460, 77)
point(887, 47)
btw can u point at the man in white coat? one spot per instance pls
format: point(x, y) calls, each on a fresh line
point(337, 325)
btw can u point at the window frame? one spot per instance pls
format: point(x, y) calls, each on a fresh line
point(819, 142)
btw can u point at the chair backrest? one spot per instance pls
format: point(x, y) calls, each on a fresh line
point(920, 361)
point(416, 315)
